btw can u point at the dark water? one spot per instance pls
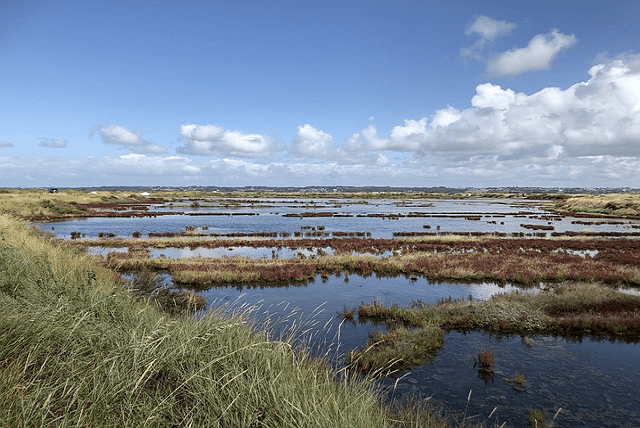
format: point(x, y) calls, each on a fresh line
point(593, 383)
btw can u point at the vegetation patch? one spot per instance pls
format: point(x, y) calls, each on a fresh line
point(518, 381)
point(523, 261)
point(398, 349)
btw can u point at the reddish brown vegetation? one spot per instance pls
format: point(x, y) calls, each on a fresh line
point(537, 227)
point(526, 261)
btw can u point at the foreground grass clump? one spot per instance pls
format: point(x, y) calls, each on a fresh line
point(399, 349)
point(77, 350)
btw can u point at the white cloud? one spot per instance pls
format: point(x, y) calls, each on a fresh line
point(53, 143)
point(139, 164)
point(537, 55)
point(5, 144)
point(368, 139)
point(127, 139)
point(594, 118)
point(311, 142)
point(488, 29)
point(214, 140)
point(410, 135)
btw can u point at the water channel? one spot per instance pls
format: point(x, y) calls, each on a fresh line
point(587, 382)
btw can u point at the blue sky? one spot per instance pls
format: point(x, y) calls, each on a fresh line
point(298, 93)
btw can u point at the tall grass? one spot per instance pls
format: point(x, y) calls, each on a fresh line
point(77, 350)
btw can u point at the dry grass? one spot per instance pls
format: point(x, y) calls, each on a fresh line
point(615, 205)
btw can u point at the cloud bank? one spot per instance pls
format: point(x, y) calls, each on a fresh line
point(214, 140)
point(598, 117)
point(585, 135)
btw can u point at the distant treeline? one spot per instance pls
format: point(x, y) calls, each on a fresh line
point(370, 189)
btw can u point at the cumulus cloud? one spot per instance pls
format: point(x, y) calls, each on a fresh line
point(312, 143)
point(487, 29)
point(598, 117)
point(5, 144)
point(214, 140)
point(367, 139)
point(53, 143)
point(537, 55)
point(128, 139)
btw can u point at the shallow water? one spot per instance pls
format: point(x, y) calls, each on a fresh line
point(379, 218)
point(327, 298)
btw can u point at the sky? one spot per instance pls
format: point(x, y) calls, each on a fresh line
point(319, 93)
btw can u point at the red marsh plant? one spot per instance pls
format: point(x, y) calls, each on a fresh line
point(485, 363)
point(485, 360)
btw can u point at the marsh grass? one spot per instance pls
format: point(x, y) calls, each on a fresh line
point(398, 349)
point(77, 350)
point(518, 381)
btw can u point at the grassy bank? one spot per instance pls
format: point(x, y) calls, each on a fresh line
point(77, 350)
point(612, 205)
